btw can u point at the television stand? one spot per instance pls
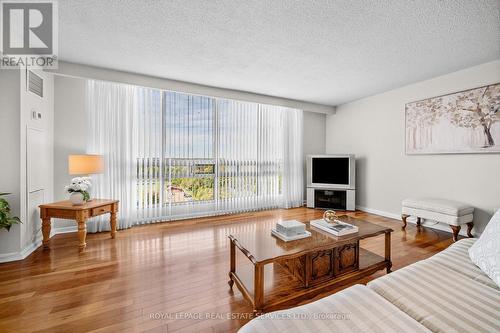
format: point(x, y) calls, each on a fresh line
point(331, 198)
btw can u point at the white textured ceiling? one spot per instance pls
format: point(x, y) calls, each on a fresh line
point(327, 52)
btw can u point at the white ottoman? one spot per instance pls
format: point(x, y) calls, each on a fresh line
point(446, 211)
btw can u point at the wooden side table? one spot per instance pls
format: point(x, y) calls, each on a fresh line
point(66, 210)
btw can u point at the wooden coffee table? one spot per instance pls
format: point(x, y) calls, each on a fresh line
point(286, 272)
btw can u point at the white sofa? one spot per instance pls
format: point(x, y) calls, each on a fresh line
point(445, 293)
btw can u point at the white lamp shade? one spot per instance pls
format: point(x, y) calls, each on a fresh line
point(85, 164)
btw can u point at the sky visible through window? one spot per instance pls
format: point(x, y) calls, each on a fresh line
point(191, 130)
point(189, 126)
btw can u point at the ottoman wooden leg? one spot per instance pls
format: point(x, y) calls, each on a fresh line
point(470, 225)
point(403, 218)
point(419, 222)
point(456, 230)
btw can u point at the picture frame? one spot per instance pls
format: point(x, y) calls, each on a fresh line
point(461, 122)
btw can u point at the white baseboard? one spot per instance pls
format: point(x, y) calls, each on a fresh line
point(15, 256)
point(11, 256)
point(425, 223)
point(379, 212)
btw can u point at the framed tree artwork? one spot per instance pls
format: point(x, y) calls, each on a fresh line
point(462, 122)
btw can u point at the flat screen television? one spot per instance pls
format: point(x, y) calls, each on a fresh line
point(331, 171)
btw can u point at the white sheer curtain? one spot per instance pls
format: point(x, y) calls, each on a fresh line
point(237, 141)
point(148, 149)
point(122, 125)
point(171, 155)
point(293, 157)
point(259, 156)
point(111, 133)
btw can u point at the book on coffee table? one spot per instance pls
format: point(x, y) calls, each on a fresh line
point(337, 229)
point(286, 238)
point(290, 230)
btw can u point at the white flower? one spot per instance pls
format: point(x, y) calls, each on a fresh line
point(79, 184)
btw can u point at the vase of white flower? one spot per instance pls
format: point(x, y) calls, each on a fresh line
point(76, 199)
point(78, 189)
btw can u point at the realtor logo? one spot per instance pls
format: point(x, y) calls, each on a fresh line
point(29, 34)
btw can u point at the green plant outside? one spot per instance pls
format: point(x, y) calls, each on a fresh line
point(196, 182)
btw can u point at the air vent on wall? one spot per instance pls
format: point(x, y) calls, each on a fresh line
point(35, 84)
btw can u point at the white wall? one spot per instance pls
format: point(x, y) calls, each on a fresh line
point(10, 154)
point(70, 133)
point(373, 128)
point(27, 168)
point(37, 151)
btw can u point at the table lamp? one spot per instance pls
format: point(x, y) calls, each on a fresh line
point(85, 165)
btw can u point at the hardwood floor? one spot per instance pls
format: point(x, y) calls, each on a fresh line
point(167, 277)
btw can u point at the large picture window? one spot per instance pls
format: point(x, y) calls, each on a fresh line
point(195, 155)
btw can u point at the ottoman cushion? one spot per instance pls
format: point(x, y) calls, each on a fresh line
point(441, 206)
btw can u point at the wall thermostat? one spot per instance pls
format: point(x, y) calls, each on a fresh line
point(36, 115)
